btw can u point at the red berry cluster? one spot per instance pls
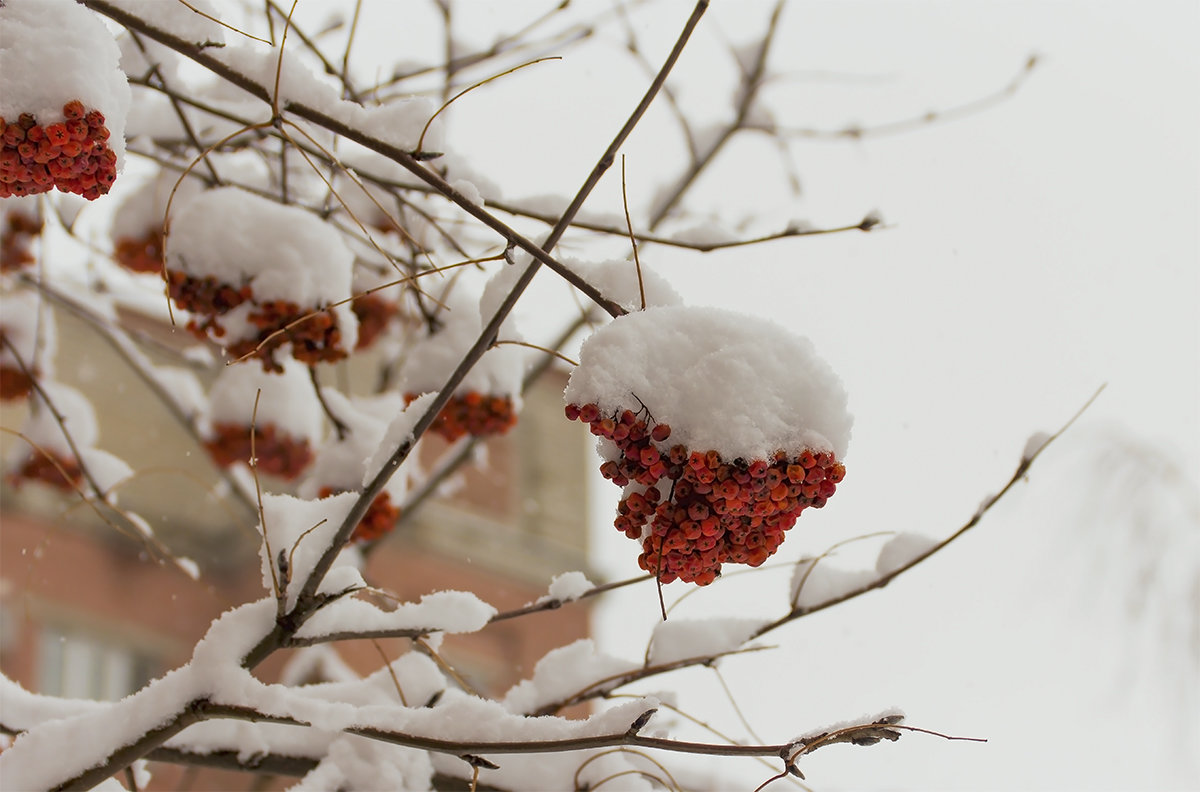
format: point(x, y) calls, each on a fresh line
point(715, 511)
point(314, 336)
point(143, 254)
point(14, 382)
point(49, 468)
point(72, 155)
point(379, 520)
point(373, 313)
point(472, 413)
point(278, 454)
point(16, 237)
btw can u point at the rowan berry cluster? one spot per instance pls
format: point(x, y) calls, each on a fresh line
point(16, 239)
point(276, 453)
point(14, 383)
point(72, 155)
point(314, 335)
point(141, 254)
point(50, 468)
point(703, 511)
point(379, 520)
point(472, 413)
point(373, 313)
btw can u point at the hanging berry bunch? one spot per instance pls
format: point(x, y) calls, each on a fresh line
point(486, 402)
point(259, 277)
point(286, 427)
point(758, 425)
point(61, 121)
point(379, 520)
point(28, 331)
point(341, 464)
point(52, 461)
point(20, 224)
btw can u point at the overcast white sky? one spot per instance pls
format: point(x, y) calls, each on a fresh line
point(1038, 250)
point(1034, 252)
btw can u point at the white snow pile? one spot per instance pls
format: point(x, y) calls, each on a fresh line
point(341, 464)
point(184, 20)
point(398, 123)
point(433, 358)
point(900, 550)
point(55, 51)
point(286, 401)
point(399, 431)
point(890, 715)
point(683, 639)
point(441, 611)
point(740, 385)
point(353, 762)
point(284, 252)
point(617, 279)
point(815, 581)
point(300, 531)
point(565, 672)
point(1036, 442)
point(30, 330)
point(566, 587)
point(36, 759)
point(78, 418)
point(144, 209)
point(281, 252)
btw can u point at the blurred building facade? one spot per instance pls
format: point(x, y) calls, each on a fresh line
point(85, 612)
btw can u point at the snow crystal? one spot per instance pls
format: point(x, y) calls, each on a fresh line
point(823, 582)
point(900, 550)
point(83, 65)
point(617, 279)
point(564, 672)
point(441, 611)
point(680, 639)
point(568, 586)
point(737, 384)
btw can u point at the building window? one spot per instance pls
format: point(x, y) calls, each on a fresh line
point(76, 664)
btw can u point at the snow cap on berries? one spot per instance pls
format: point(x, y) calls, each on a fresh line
point(435, 357)
point(737, 384)
point(285, 252)
point(285, 400)
point(617, 279)
point(30, 330)
point(56, 51)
